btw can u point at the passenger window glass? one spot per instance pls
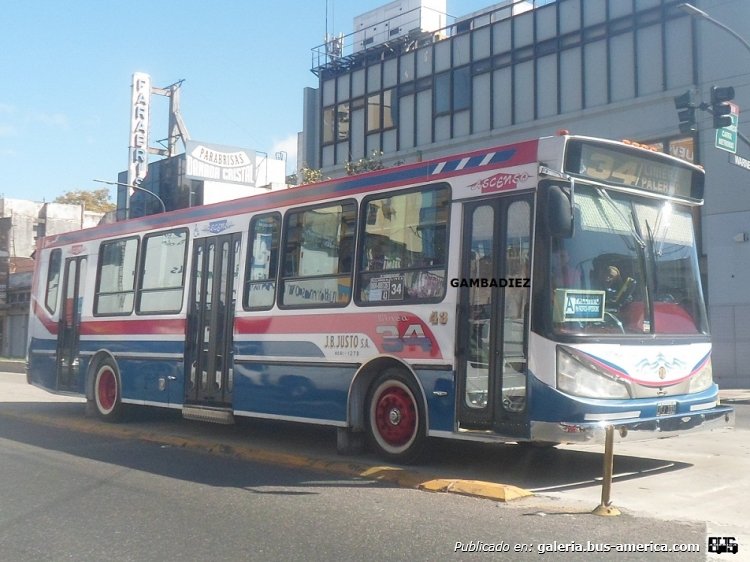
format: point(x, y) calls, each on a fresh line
point(262, 262)
point(318, 255)
point(163, 272)
point(404, 250)
point(53, 280)
point(116, 280)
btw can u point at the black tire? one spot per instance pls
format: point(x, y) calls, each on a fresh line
point(107, 391)
point(396, 418)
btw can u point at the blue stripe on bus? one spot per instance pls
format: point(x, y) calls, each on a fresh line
point(551, 405)
point(502, 156)
point(132, 346)
point(291, 349)
point(294, 390)
point(452, 165)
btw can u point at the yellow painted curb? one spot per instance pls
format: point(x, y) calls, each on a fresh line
point(478, 488)
point(399, 476)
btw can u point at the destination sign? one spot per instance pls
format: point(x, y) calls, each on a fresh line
point(633, 168)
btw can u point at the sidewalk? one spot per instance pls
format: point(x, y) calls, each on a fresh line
point(12, 365)
point(731, 395)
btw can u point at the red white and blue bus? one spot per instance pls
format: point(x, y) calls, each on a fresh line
point(535, 292)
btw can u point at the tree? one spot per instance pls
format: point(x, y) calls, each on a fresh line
point(96, 200)
point(310, 175)
point(374, 162)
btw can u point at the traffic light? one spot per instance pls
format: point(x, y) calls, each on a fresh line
point(686, 112)
point(720, 107)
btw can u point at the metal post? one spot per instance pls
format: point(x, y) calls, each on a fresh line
point(606, 508)
point(137, 188)
point(696, 13)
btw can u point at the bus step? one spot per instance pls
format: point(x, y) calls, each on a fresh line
point(208, 414)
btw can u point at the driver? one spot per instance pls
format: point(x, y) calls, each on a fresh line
point(611, 279)
point(615, 287)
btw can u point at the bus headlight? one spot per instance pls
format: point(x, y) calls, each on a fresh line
point(579, 377)
point(703, 379)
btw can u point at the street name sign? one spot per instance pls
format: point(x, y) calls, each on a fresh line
point(726, 137)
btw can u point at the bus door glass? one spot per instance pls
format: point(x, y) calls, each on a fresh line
point(494, 293)
point(69, 327)
point(208, 360)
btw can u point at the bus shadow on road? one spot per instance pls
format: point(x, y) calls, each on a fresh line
point(532, 468)
point(543, 469)
point(63, 428)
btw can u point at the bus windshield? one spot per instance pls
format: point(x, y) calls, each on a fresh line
point(630, 268)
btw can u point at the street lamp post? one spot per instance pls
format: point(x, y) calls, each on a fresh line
point(696, 13)
point(137, 188)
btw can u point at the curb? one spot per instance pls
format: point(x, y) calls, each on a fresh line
point(401, 477)
point(12, 366)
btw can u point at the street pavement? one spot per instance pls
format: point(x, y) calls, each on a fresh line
point(701, 478)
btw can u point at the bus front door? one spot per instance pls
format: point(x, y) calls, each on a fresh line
point(69, 326)
point(208, 357)
point(493, 315)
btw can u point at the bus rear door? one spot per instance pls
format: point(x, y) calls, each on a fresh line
point(69, 326)
point(493, 296)
point(208, 357)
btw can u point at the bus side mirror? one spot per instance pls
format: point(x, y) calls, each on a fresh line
point(559, 213)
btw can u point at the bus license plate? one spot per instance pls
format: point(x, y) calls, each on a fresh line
point(666, 408)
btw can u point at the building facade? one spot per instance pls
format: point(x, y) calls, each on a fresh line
point(21, 223)
point(519, 70)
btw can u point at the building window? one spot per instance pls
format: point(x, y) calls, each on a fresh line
point(342, 121)
point(336, 121)
point(461, 88)
point(389, 120)
point(442, 93)
point(381, 111)
point(163, 272)
point(329, 125)
point(373, 113)
point(453, 91)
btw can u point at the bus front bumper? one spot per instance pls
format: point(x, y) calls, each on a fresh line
point(718, 417)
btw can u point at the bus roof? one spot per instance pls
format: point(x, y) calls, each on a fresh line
point(421, 172)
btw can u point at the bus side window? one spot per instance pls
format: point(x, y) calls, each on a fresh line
point(262, 262)
point(53, 281)
point(403, 253)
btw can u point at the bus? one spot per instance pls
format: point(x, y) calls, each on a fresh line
point(532, 293)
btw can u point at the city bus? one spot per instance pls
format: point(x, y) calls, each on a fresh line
point(531, 293)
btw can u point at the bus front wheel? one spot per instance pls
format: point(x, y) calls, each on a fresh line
point(396, 421)
point(107, 393)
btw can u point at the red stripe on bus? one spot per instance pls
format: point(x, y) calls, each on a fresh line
point(133, 326)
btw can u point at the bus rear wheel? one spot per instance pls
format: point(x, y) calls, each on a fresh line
point(107, 393)
point(396, 421)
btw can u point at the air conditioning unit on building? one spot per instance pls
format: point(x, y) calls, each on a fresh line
point(402, 18)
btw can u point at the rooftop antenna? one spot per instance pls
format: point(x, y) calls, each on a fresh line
point(334, 45)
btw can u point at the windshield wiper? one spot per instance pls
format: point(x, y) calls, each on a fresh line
point(651, 253)
point(604, 195)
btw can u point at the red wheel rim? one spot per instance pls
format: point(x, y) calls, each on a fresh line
point(107, 389)
point(396, 416)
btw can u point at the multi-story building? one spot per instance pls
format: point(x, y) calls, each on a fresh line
point(21, 223)
point(412, 87)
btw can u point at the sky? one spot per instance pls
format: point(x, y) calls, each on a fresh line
point(66, 68)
